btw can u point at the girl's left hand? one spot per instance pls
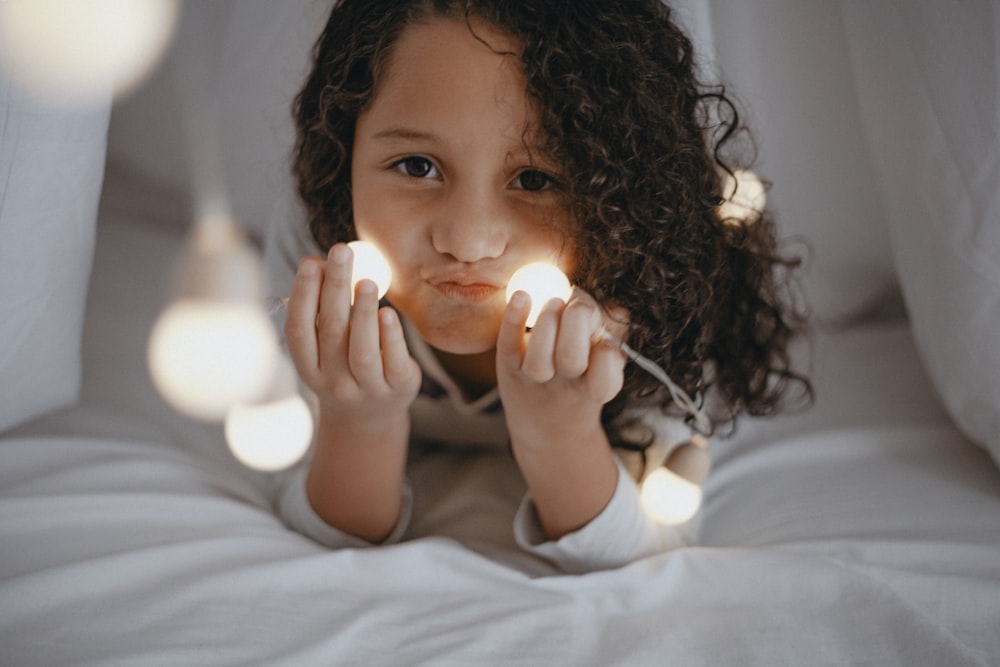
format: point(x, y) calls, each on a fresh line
point(554, 379)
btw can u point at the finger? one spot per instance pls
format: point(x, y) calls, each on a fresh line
point(580, 319)
point(510, 341)
point(615, 321)
point(539, 355)
point(333, 319)
point(400, 369)
point(606, 371)
point(364, 353)
point(300, 318)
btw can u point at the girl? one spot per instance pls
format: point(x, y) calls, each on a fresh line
point(466, 138)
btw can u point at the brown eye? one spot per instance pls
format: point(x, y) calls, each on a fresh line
point(533, 180)
point(416, 167)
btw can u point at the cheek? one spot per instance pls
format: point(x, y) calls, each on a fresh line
point(384, 221)
point(553, 226)
point(369, 209)
point(561, 242)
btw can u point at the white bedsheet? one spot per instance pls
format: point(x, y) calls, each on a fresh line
point(864, 531)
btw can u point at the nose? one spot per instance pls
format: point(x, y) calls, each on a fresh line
point(474, 225)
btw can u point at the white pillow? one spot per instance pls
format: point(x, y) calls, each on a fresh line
point(51, 171)
point(929, 83)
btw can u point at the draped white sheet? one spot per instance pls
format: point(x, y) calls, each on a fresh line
point(864, 531)
point(879, 124)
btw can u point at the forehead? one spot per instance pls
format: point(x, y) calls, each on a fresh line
point(454, 76)
point(446, 47)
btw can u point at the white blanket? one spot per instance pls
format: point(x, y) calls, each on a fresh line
point(864, 531)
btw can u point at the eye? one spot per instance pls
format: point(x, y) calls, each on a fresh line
point(533, 180)
point(416, 167)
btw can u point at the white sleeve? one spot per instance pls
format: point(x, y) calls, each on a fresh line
point(620, 534)
point(294, 509)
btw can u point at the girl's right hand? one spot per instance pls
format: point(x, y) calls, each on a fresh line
point(354, 359)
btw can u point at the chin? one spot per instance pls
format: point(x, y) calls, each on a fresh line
point(453, 340)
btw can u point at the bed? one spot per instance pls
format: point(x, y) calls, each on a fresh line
point(864, 530)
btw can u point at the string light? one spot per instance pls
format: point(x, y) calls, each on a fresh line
point(672, 493)
point(72, 52)
point(542, 282)
point(214, 345)
point(745, 197)
point(275, 432)
point(666, 496)
point(369, 264)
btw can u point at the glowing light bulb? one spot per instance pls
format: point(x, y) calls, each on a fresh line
point(275, 432)
point(369, 264)
point(668, 498)
point(74, 51)
point(543, 282)
point(745, 197)
point(205, 355)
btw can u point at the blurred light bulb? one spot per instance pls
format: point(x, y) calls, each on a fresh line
point(668, 498)
point(369, 264)
point(206, 355)
point(73, 51)
point(275, 432)
point(745, 197)
point(270, 436)
point(543, 282)
point(214, 345)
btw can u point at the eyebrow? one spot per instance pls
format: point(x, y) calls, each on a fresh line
point(396, 133)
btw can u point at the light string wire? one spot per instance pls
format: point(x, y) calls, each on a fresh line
point(275, 304)
point(700, 421)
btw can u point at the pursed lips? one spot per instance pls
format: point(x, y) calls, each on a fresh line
point(465, 286)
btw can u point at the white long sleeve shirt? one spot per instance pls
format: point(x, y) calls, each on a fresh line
point(442, 415)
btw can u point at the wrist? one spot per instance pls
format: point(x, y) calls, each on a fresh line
point(557, 436)
point(356, 475)
point(569, 485)
point(350, 427)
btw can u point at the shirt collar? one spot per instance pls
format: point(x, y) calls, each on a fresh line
point(438, 384)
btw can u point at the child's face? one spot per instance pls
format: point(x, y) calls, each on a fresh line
point(443, 182)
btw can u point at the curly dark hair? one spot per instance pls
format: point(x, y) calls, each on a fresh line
point(645, 147)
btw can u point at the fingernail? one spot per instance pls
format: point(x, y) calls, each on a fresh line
point(340, 254)
point(520, 299)
point(554, 303)
point(307, 268)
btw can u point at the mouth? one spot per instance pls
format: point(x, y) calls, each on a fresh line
point(465, 288)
